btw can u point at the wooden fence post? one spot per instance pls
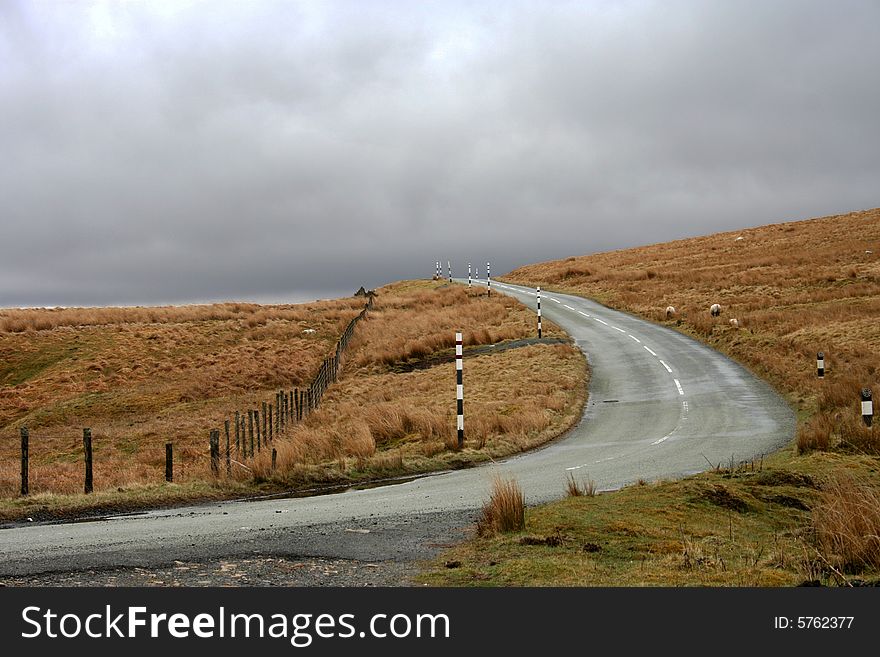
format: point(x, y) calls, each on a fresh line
point(25, 439)
point(265, 423)
point(215, 452)
point(270, 436)
point(87, 449)
point(169, 462)
point(237, 435)
point(228, 455)
point(274, 458)
point(257, 422)
point(251, 430)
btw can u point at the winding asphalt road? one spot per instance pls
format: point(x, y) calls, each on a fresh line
point(661, 406)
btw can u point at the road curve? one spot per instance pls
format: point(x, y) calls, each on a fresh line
point(661, 405)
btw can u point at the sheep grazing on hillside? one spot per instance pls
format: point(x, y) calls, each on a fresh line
point(670, 312)
point(715, 310)
point(734, 322)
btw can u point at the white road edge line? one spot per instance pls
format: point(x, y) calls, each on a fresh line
point(678, 385)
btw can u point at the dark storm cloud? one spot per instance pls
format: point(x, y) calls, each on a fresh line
point(167, 152)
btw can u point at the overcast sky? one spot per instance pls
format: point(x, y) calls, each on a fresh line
point(176, 151)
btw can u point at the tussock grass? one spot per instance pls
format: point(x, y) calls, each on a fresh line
point(574, 488)
point(847, 522)
point(504, 512)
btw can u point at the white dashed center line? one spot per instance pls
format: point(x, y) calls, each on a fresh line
point(552, 299)
point(648, 349)
point(567, 306)
point(678, 385)
point(617, 328)
point(584, 314)
point(668, 369)
point(634, 338)
point(600, 321)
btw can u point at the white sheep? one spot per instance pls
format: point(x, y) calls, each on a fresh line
point(670, 312)
point(734, 322)
point(715, 310)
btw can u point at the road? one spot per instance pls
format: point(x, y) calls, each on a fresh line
point(661, 406)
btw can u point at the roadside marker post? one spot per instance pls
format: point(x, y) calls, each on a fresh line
point(539, 312)
point(820, 364)
point(437, 271)
point(867, 406)
point(449, 270)
point(459, 389)
point(488, 282)
point(469, 274)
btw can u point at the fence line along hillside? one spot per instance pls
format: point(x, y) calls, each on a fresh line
point(271, 419)
point(144, 377)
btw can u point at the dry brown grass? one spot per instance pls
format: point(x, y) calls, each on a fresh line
point(847, 523)
point(141, 377)
point(139, 385)
point(574, 488)
point(505, 511)
point(795, 288)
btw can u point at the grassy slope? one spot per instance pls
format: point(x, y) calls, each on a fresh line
point(141, 379)
point(795, 289)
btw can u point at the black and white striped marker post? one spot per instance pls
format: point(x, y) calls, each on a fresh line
point(820, 364)
point(459, 389)
point(469, 274)
point(449, 270)
point(867, 406)
point(437, 271)
point(539, 313)
point(488, 282)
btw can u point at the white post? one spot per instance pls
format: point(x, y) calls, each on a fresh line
point(459, 388)
point(867, 406)
point(539, 313)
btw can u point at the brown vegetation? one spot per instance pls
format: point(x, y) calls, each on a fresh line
point(141, 377)
point(847, 522)
point(504, 512)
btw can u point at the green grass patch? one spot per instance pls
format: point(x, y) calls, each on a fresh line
point(746, 526)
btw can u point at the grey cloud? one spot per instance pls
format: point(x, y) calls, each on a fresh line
point(154, 153)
